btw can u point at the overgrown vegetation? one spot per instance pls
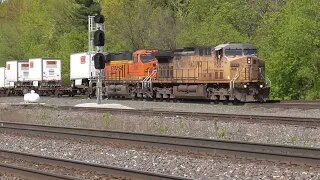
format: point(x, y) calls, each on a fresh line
point(286, 32)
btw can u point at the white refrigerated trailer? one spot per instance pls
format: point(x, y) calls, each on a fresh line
point(83, 74)
point(44, 72)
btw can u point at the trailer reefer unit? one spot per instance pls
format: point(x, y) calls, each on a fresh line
point(44, 71)
point(23, 71)
point(82, 68)
point(11, 73)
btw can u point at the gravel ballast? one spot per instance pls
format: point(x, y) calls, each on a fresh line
point(7, 176)
point(57, 170)
point(253, 109)
point(155, 160)
point(176, 126)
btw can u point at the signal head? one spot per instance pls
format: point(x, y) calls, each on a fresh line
point(99, 19)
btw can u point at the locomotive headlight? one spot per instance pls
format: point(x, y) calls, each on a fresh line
point(249, 60)
point(245, 86)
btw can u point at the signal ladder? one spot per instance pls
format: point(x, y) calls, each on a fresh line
point(92, 27)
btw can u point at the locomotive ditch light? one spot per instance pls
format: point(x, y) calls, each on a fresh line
point(261, 85)
point(245, 86)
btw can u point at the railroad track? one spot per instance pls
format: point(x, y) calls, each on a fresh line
point(72, 167)
point(290, 105)
point(297, 121)
point(288, 154)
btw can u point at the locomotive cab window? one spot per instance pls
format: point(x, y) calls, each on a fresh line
point(145, 58)
point(233, 52)
point(250, 52)
point(205, 52)
point(219, 54)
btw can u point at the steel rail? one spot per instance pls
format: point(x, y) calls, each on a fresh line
point(290, 105)
point(314, 122)
point(291, 154)
point(116, 172)
point(32, 173)
point(297, 121)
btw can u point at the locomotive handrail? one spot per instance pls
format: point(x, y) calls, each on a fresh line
point(233, 80)
point(147, 81)
point(268, 82)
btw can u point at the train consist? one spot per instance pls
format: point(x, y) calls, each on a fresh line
point(228, 72)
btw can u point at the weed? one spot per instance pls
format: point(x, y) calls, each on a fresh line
point(182, 125)
point(162, 130)
point(44, 116)
point(221, 133)
point(106, 119)
point(215, 124)
point(293, 140)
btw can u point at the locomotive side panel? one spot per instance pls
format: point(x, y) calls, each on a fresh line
point(117, 70)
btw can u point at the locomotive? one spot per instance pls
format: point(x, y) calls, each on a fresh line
point(227, 72)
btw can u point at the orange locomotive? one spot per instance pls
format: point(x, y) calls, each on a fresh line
point(128, 66)
point(228, 72)
point(124, 71)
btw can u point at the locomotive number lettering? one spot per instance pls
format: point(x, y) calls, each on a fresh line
point(116, 68)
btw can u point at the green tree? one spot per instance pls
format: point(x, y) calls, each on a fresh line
point(208, 23)
point(289, 40)
point(139, 24)
point(42, 28)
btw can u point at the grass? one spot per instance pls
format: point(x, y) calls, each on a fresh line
point(106, 119)
point(293, 140)
point(215, 124)
point(44, 115)
point(221, 133)
point(162, 130)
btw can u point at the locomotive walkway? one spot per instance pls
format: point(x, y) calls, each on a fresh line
point(255, 151)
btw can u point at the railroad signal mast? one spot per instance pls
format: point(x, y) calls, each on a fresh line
point(98, 41)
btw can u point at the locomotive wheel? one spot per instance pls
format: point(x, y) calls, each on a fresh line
point(57, 93)
point(225, 102)
point(236, 102)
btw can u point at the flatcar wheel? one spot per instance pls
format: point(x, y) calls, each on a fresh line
point(71, 94)
point(57, 93)
point(8, 93)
